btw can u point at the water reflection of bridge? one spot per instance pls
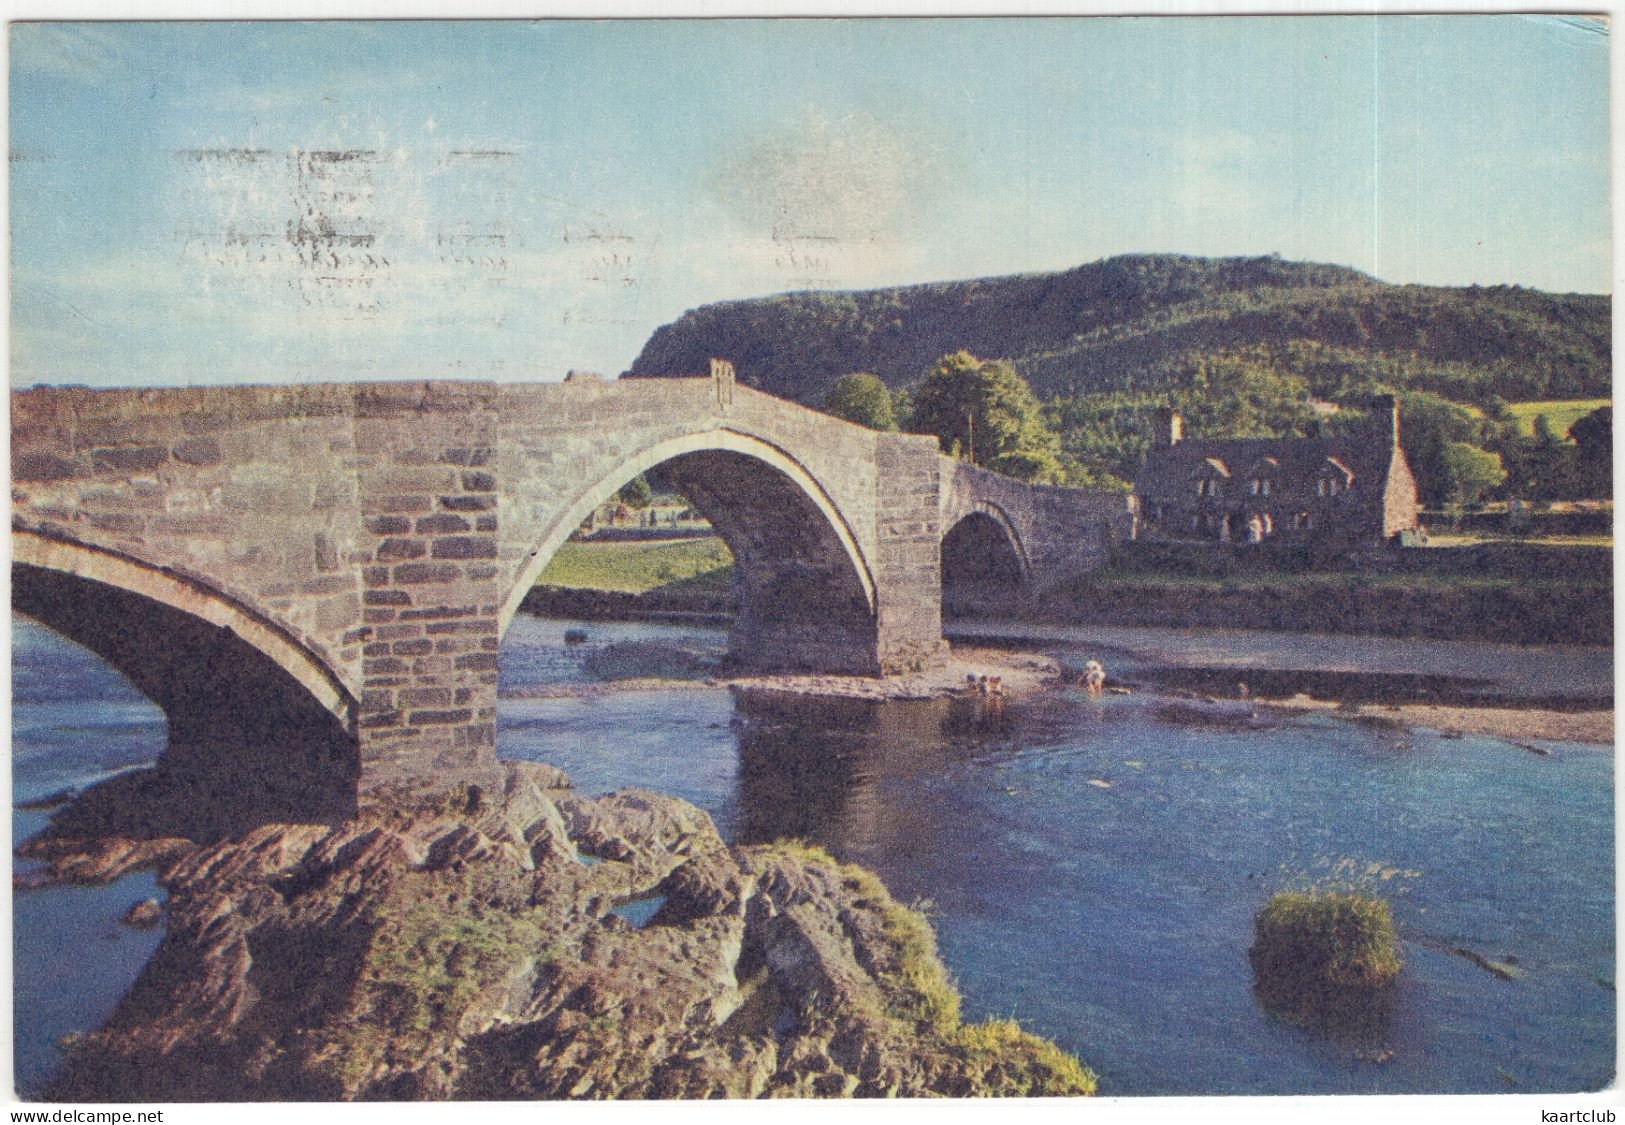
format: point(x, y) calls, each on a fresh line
point(831, 771)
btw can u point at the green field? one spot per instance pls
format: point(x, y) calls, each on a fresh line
point(639, 566)
point(1469, 539)
point(1561, 413)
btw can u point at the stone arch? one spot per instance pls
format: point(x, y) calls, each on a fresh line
point(805, 589)
point(225, 676)
point(983, 559)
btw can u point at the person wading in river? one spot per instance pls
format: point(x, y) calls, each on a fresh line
point(1094, 677)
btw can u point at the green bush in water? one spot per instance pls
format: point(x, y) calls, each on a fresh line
point(1318, 952)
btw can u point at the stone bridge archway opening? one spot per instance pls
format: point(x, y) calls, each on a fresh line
point(248, 739)
point(983, 567)
point(804, 597)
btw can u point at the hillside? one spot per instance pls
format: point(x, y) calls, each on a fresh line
point(1135, 322)
point(1243, 345)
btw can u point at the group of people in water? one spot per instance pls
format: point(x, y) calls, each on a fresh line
point(990, 689)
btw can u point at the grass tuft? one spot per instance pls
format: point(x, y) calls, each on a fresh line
point(1049, 1071)
point(1318, 951)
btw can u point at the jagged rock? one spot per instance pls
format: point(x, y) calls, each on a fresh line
point(463, 951)
point(144, 915)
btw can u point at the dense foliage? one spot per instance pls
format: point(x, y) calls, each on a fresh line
point(862, 398)
point(1472, 471)
point(986, 413)
point(1242, 346)
point(636, 493)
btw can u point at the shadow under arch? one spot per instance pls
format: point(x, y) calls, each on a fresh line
point(983, 562)
point(257, 730)
point(805, 592)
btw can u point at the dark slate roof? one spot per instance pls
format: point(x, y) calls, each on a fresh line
point(1168, 472)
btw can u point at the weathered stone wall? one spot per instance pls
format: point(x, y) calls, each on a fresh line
point(908, 552)
point(247, 490)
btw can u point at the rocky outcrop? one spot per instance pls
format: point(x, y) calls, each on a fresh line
point(491, 947)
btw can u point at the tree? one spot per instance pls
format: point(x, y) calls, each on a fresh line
point(861, 398)
point(636, 493)
point(1594, 438)
point(1594, 433)
point(1028, 464)
point(1541, 427)
point(902, 405)
point(987, 409)
point(1471, 471)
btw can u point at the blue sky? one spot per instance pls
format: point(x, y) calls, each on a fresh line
point(511, 200)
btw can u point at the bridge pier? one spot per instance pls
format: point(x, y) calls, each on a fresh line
point(431, 587)
point(908, 555)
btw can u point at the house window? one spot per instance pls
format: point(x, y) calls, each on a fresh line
point(1196, 523)
point(1207, 487)
point(1259, 486)
point(1327, 486)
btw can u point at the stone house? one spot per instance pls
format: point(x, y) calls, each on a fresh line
point(1343, 492)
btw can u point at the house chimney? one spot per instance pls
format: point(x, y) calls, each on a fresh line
point(1169, 427)
point(1385, 420)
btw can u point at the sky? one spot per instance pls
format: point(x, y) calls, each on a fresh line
point(289, 202)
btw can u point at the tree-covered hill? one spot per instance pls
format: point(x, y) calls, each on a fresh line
point(1244, 346)
point(1143, 322)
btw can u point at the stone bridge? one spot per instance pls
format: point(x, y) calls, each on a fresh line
point(329, 569)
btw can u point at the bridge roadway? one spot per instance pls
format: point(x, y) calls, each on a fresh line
point(330, 568)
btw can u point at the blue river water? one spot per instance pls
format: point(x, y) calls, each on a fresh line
point(73, 720)
point(1091, 867)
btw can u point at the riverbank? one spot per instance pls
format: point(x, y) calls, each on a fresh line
point(1508, 611)
point(1521, 594)
point(1558, 692)
point(1514, 724)
point(1018, 673)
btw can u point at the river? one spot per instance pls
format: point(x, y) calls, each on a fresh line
point(1091, 866)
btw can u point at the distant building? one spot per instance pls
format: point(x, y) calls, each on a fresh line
point(1351, 491)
